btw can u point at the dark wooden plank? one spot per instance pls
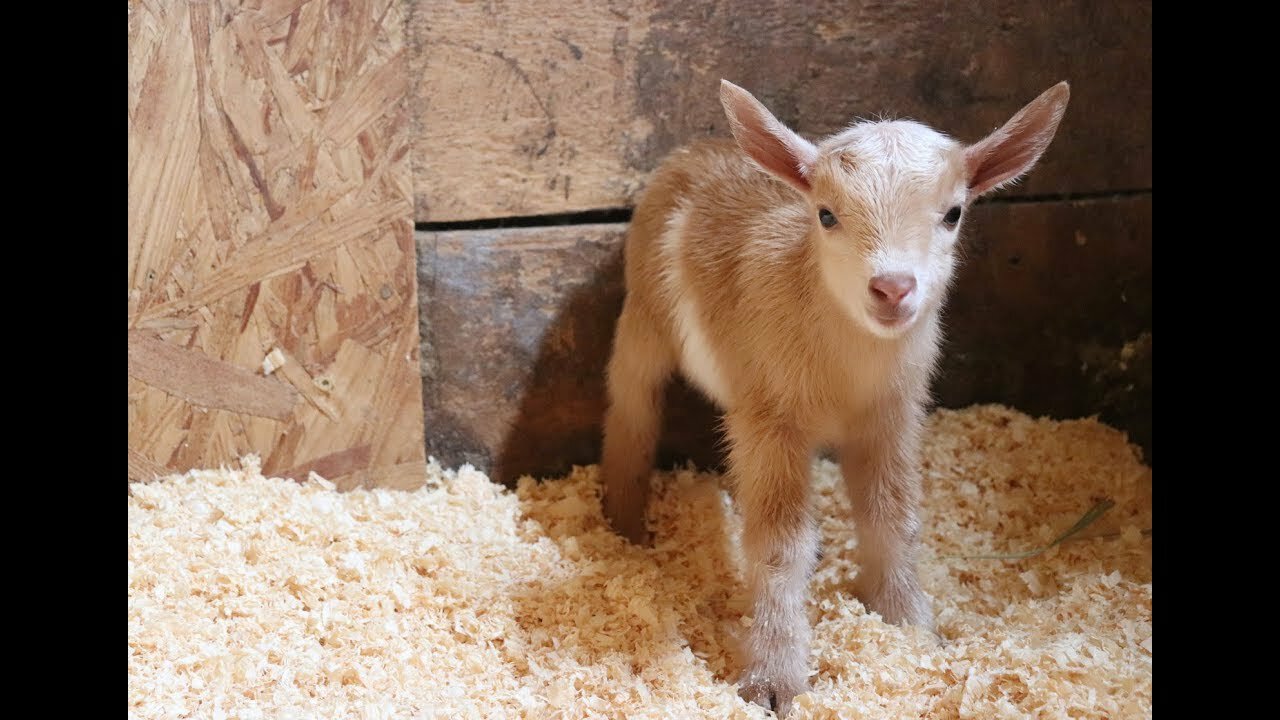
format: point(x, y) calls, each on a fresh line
point(1051, 313)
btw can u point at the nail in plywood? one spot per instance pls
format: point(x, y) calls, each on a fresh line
point(270, 209)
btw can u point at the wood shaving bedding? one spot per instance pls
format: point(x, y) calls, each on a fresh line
point(253, 597)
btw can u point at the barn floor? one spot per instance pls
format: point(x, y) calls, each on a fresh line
point(252, 597)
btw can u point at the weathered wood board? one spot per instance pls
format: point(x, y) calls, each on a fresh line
point(517, 325)
point(270, 213)
point(527, 108)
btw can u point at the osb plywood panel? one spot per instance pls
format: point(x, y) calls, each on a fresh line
point(527, 108)
point(1051, 313)
point(270, 213)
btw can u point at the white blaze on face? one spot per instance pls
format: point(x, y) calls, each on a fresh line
point(891, 184)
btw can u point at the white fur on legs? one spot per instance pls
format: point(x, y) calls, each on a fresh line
point(769, 463)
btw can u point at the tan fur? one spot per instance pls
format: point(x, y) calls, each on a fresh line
point(732, 280)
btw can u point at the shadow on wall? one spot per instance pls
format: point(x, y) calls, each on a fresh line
point(517, 327)
point(559, 421)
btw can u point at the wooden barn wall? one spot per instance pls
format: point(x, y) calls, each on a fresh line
point(554, 106)
point(280, 151)
point(270, 221)
point(534, 109)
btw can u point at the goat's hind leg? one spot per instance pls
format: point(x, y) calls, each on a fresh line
point(639, 368)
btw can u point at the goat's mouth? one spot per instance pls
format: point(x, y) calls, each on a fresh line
point(892, 322)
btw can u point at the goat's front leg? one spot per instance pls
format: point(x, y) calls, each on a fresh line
point(769, 463)
point(880, 464)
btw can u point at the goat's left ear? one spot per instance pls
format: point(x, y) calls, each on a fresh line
point(1008, 153)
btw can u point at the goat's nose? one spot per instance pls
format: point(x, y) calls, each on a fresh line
point(890, 288)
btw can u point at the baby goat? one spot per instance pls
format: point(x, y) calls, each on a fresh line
point(799, 287)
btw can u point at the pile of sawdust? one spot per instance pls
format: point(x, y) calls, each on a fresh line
point(252, 597)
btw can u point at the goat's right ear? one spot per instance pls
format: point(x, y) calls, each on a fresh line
point(1011, 151)
point(773, 146)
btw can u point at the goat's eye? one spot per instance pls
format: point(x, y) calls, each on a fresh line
point(826, 218)
point(952, 217)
